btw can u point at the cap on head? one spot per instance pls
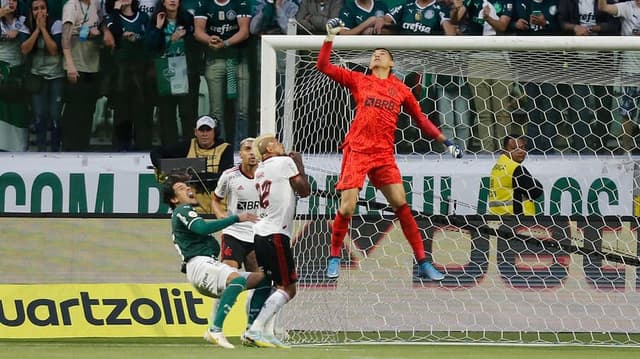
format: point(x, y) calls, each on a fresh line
point(207, 120)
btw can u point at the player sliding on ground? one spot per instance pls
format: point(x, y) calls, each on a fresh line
point(193, 237)
point(368, 148)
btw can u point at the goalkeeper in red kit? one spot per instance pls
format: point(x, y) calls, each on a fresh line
point(368, 148)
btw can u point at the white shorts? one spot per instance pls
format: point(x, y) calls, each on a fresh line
point(208, 275)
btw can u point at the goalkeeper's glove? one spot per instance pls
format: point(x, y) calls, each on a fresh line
point(454, 150)
point(334, 26)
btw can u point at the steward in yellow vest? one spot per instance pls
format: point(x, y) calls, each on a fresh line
point(207, 144)
point(512, 188)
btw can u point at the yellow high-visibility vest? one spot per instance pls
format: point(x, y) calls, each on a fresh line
point(213, 156)
point(501, 189)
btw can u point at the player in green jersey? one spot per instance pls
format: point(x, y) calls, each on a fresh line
point(192, 236)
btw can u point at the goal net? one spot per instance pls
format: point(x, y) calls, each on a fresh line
point(567, 275)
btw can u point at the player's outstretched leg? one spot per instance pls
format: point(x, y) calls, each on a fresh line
point(338, 232)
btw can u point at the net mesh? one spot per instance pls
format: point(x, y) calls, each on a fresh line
point(496, 288)
point(565, 101)
point(544, 279)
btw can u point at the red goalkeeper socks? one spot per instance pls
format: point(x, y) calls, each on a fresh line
point(411, 231)
point(339, 230)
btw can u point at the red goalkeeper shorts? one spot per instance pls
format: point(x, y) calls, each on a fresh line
point(380, 168)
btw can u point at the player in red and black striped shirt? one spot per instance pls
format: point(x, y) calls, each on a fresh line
point(368, 149)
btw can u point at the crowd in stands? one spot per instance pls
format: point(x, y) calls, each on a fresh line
point(64, 64)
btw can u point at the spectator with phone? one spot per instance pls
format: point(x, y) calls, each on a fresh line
point(535, 17)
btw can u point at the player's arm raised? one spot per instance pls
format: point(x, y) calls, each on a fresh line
point(324, 65)
point(299, 183)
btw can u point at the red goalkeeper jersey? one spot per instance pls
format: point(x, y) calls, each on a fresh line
point(378, 104)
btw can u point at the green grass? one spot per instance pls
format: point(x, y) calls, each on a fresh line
point(158, 348)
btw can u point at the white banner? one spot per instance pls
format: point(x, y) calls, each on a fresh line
point(77, 183)
point(123, 183)
point(570, 184)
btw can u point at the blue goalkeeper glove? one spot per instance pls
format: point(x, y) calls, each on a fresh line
point(454, 150)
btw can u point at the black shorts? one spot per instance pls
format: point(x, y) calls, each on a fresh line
point(276, 258)
point(234, 249)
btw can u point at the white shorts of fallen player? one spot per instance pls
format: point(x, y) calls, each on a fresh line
point(208, 275)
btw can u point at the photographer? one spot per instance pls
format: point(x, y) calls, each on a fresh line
point(207, 144)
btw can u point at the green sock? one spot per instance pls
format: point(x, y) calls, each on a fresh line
point(260, 295)
point(228, 299)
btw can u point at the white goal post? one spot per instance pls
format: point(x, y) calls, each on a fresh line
point(497, 288)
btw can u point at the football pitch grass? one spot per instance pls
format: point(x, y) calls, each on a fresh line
point(173, 348)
